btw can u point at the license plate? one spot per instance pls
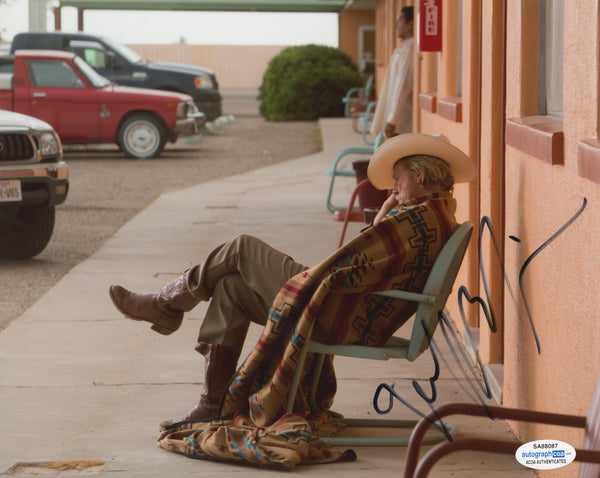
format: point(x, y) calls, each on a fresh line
point(10, 190)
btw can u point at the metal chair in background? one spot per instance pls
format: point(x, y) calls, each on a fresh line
point(337, 171)
point(362, 122)
point(357, 99)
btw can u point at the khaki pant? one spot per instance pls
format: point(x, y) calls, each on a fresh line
point(242, 277)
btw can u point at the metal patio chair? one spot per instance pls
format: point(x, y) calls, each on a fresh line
point(362, 121)
point(335, 171)
point(357, 98)
point(431, 303)
point(589, 454)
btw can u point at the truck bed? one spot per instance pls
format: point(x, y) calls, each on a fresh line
point(6, 81)
point(6, 92)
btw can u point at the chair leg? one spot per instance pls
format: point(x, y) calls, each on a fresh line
point(314, 381)
point(330, 206)
point(357, 189)
point(435, 436)
point(367, 118)
point(346, 173)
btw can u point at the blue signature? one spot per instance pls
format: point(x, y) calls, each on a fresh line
point(480, 388)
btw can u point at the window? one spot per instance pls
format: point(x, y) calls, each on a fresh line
point(95, 58)
point(550, 57)
point(541, 135)
point(91, 51)
point(366, 49)
point(53, 74)
point(36, 42)
point(7, 66)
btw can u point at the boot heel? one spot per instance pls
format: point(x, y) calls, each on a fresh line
point(162, 330)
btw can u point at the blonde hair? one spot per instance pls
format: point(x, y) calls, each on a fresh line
point(432, 171)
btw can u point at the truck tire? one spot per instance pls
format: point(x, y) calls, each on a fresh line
point(28, 232)
point(141, 136)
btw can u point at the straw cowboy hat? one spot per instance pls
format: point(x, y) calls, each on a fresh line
point(381, 165)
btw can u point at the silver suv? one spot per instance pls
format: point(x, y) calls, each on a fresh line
point(33, 180)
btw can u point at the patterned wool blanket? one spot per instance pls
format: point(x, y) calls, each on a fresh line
point(333, 300)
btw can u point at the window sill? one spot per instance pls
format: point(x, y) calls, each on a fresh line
point(539, 136)
point(588, 159)
point(451, 108)
point(428, 101)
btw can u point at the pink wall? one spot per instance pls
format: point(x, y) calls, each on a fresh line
point(534, 178)
point(561, 283)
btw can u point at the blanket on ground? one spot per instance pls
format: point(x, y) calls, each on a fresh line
point(253, 428)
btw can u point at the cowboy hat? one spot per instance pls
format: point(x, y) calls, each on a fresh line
point(381, 165)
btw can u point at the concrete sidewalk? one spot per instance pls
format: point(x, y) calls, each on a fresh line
point(79, 382)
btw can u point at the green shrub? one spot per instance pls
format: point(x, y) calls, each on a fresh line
point(307, 82)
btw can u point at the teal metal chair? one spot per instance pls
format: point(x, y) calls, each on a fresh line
point(361, 122)
point(357, 99)
point(431, 303)
point(336, 171)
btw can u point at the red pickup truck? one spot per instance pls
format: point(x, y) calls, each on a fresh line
point(84, 107)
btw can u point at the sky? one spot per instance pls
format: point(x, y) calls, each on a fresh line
point(216, 28)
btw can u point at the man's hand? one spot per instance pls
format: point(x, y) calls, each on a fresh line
point(390, 130)
point(390, 203)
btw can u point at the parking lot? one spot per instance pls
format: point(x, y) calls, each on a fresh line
point(107, 189)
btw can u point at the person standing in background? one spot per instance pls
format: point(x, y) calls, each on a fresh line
point(393, 114)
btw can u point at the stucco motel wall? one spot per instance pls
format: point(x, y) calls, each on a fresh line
point(537, 199)
point(552, 224)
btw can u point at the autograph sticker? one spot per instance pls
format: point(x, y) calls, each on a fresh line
point(545, 454)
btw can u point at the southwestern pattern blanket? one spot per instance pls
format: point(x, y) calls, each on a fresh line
point(397, 253)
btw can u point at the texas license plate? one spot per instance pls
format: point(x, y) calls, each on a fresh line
point(10, 190)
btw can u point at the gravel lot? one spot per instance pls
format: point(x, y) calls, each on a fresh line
point(107, 189)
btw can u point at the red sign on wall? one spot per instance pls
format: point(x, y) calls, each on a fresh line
point(430, 25)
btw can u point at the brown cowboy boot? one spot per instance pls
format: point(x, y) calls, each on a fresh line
point(164, 310)
point(220, 365)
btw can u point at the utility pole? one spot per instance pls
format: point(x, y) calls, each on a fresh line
point(37, 15)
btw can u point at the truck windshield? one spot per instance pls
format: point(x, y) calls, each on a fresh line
point(127, 53)
point(95, 79)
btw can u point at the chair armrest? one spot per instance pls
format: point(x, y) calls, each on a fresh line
point(405, 295)
point(368, 113)
point(350, 92)
point(370, 106)
point(395, 347)
point(347, 151)
point(396, 294)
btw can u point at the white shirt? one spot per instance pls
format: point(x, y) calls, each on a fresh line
point(395, 100)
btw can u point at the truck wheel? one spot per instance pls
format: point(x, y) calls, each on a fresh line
point(27, 233)
point(141, 136)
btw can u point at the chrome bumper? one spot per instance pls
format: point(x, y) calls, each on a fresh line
point(191, 125)
point(46, 184)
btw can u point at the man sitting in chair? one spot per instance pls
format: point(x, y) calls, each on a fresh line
point(248, 281)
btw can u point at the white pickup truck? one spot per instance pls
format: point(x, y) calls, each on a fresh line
point(33, 180)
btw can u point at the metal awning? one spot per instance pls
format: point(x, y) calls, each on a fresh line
point(333, 6)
